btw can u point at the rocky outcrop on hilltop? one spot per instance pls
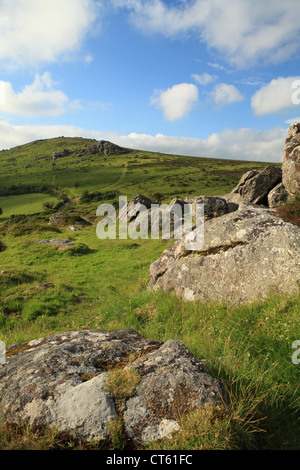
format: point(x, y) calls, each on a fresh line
point(62, 154)
point(100, 147)
point(65, 382)
point(109, 148)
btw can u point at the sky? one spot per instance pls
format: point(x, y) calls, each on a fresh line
point(206, 78)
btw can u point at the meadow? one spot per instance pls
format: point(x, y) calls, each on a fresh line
point(102, 284)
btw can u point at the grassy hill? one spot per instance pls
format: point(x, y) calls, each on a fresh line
point(102, 284)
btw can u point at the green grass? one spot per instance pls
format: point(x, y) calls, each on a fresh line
point(24, 204)
point(102, 284)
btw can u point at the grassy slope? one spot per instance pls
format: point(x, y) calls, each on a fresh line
point(104, 286)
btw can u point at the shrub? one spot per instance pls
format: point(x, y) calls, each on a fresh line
point(290, 211)
point(98, 196)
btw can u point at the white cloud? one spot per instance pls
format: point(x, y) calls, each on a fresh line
point(275, 96)
point(177, 101)
point(34, 32)
point(242, 144)
point(204, 78)
point(293, 120)
point(244, 32)
point(224, 94)
point(38, 99)
point(88, 59)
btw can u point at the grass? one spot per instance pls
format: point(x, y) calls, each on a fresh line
point(24, 204)
point(102, 284)
point(121, 383)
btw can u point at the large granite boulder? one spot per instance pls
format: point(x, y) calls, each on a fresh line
point(246, 255)
point(277, 196)
point(254, 185)
point(135, 206)
point(61, 382)
point(214, 206)
point(291, 161)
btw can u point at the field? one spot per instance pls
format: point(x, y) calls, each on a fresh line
point(101, 284)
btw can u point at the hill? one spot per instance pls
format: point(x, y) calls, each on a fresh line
point(68, 167)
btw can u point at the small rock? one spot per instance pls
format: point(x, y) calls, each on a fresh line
point(47, 285)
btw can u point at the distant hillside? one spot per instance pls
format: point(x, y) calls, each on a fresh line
point(71, 167)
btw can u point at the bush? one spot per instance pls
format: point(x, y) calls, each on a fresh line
point(98, 196)
point(290, 211)
point(2, 246)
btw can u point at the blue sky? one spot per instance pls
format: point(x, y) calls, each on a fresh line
point(210, 78)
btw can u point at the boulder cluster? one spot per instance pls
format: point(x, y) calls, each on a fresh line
point(273, 186)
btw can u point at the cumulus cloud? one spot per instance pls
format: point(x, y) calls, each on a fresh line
point(177, 101)
point(34, 32)
point(224, 94)
point(204, 78)
point(37, 99)
point(244, 32)
point(276, 96)
point(242, 144)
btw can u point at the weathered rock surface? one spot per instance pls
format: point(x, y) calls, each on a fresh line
point(254, 185)
point(62, 154)
point(214, 206)
point(100, 147)
point(60, 244)
point(169, 219)
point(291, 161)
point(60, 382)
point(110, 149)
point(173, 383)
point(136, 205)
point(278, 196)
point(246, 255)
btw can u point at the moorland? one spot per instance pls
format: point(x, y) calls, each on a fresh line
point(102, 284)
